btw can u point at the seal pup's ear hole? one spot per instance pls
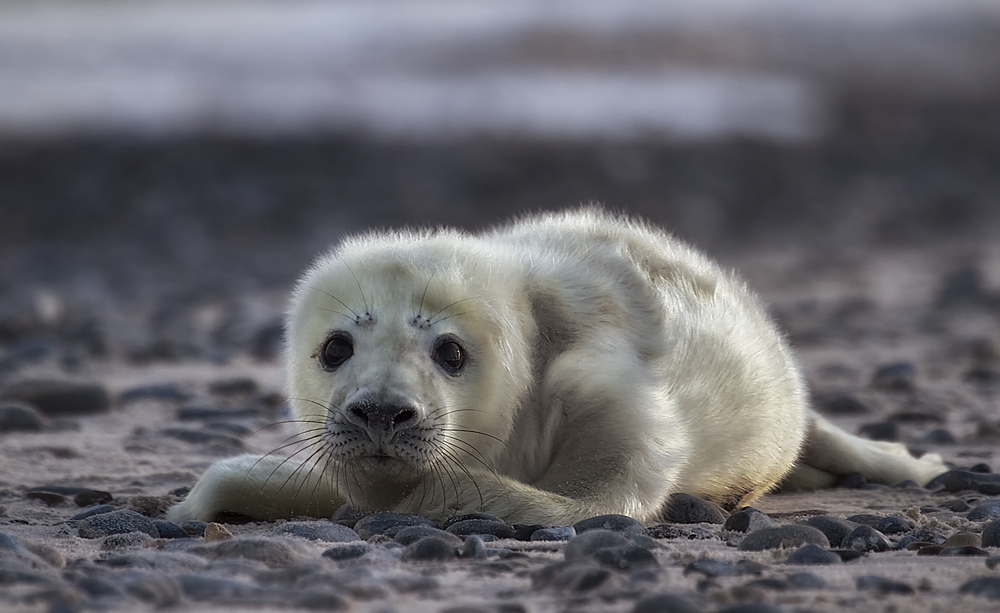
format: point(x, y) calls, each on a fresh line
point(336, 350)
point(449, 355)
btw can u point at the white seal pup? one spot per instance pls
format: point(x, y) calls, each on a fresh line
point(560, 367)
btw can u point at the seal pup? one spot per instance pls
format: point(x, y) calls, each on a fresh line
point(557, 368)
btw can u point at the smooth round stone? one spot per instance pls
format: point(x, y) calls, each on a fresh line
point(688, 509)
point(963, 551)
point(317, 600)
point(986, 587)
point(783, 537)
point(558, 533)
point(156, 589)
point(473, 548)
point(99, 509)
point(627, 558)
point(203, 588)
point(347, 551)
point(841, 404)
point(835, 528)
point(206, 413)
point(125, 541)
point(895, 377)
point(325, 531)
point(378, 523)
point(21, 417)
point(201, 437)
point(747, 519)
point(893, 525)
point(665, 603)
point(961, 480)
point(586, 544)
point(88, 498)
point(985, 510)
point(991, 534)
point(937, 436)
point(571, 576)
point(163, 392)
point(719, 568)
point(272, 552)
point(852, 481)
point(193, 527)
point(97, 587)
point(865, 538)
point(430, 549)
point(805, 581)
point(883, 585)
point(612, 522)
point(963, 539)
point(235, 386)
point(169, 530)
point(411, 534)
point(457, 518)
point(880, 431)
point(813, 554)
point(491, 527)
point(116, 522)
point(55, 397)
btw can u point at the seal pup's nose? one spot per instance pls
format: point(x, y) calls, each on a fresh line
point(381, 417)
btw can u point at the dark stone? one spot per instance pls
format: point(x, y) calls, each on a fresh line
point(430, 549)
point(586, 544)
point(316, 600)
point(88, 498)
point(688, 509)
point(848, 555)
point(214, 589)
point(378, 523)
point(627, 558)
point(937, 436)
point(268, 340)
point(865, 519)
point(991, 534)
point(841, 404)
point(473, 548)
point(323, 530)
point(492, 527)
point(346, 515)
point(813, 554)
point(865, 538)
point(963, 550)
point(958, 505)
point(980, 468)
point(96, 587)
point(960, 480)
point(747, 519)
point(411, 534)
point(883, 586)
point(981, 375)
point(574, 576)
point(893, 525)
point(558, 533)
point(852, 481)
point(987, 587)
point(125, 541)
point(907, 484)
point(60, 398)
point(101, 508)
point(717, 568)
point(116, 522)
point(347, 551)
point(985, 510)
point(169, 530)
point(235, 386)
point(272, 552)
point(164, 392)
point(962, 286)
point(204, 413)
point(48, 498)
point(523, 532)
point(665, 603)
point(21, 417)
point(880, 431)
point(193, 527)
point(895, 377)
point(200, 437)
point(665, 531)
point(614, 523)
point(783, 537)
point(156, 589)
point(805, 581)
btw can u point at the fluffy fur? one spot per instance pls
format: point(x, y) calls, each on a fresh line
point(604, 366)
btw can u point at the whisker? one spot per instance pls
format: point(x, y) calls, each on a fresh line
point(363, 299)
point(342, 303)
point(443, 309)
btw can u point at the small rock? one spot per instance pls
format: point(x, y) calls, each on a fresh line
point(893, 525)
point(783, 537)
point(986, 510)
point(558, 533)
point(813, 554)
point(962, 539)
point(852, 481)
point(473, 548)
point(201, 437)
point(204, 413)
point(346, 515)
point(169, 530)
point(87, 498)
point(718, 568)
point(214, 532)
point(880, 431)
point(21, 417)
point(937, 436)
point(101, 508)
point(49, 498)
point(116, 522)
point(491, 527)
point(834, 528)
point(963, 551)
point(841, 404)
point(150, 506)
point(895, 377)
point(51, 555)
point(987, 587)
point(586, 544)
point(270, 551)
point(614, 523)
point(747, 519)
point(200, 588)
point(980, 468)
point(883, 586)
point(665, 603)
point(430, 549)
point(156, 589)
point(60, 398)
point(958, 505)
point(908, 484)
point(164, 392)
point(628, 558)
point(378, 523)
point(805, 581)
point(688, 509)
point(236, 386)
point(982, 375)
point(959, 480)
point(865, 538)
point(124, 541)
point(411, 534)
point(347, 551)
point(325, 531)
point(193, 527)
point(575, 576)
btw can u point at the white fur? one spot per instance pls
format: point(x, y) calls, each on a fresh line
point(609, 366)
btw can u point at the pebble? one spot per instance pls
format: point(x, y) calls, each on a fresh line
point(87, 498)
point(985, 510)
point(813, 554)
point(960, 480)
point(782, 537)
point(866, 538)
point(687, 509)
point(628, 558)
point(882, 585)
point(235, 386)
point(205, 413)
point(558, 533)
point(963, 539)
point(614, 523)
point(272, 552)
point(895, 377)
point(805, 581)
point(491, 527)
point(55, 397)
point(124, 541)
point(473, 548)
point(116, 522)
point(575, 576)
point(835, 528)
point(411, 534)
point(156, 589)
point(880, 431)
point(588, 543)
point(101, 508)
point(937, 436)
point(193, 527)
point(964, 550)
point(378, 523)
point(430, 549)
point(201, 437)
point(21, 417)
point(747, 519)
point(718, 568)
point(852, 481)
point(201, 588)
point(347, 551)
point(325, 531)
point(169, 530)
point(665, 603)
point(841, 404)
point(216, 532)
point(987, 587)
point(164, 392)
point(991, 534)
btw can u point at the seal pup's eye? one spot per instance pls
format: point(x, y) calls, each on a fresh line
point(449, 355)
point(337, 349)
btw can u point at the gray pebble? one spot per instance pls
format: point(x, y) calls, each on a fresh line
point(783, 537)
point(347, 551)
point(21, 417)
point(323, 530)
point(747, 519)
point(893, 525)
point(473, 548)
point(558, 533)
point(991, 534)
point(841, 404)
point(833, 527)
point(628, 558)
point(97, 587)
point(457, 518)
point(883, 586)
point(125, 541)
point(116, 522)
point(960, 480)
point(316, 600)
point(665, 603)
point(880, 431)
point(574, 576)
point(938, 436)
point(215, 589)
point(805, 581)
point(495, 528)
point(88, 497)
point(411, 534)
point(234, 386)
point(201, 437)
point(852, 481)
point(430, 549)
point(157, 589)
point(813, 554)
point(895, 377)
point(688, 509)
point(612, 522)
point(272, 552)
point(378, 523)
point(718, 568)
point(164, 392)
point(586, 544)
point(958, 505)
point(963, 551)
point(199, 412)
point(169, 530)
point(193, 527)
point(987, 587)
point(985, 510)
point(865, 538)
point(55, 397)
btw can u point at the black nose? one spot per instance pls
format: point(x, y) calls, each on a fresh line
point(382, 417)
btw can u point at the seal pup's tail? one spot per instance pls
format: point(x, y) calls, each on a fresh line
point(830, 453)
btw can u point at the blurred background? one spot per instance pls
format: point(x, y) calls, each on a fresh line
point(168, 167)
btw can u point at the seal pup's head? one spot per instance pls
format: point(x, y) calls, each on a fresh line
point(407, 354)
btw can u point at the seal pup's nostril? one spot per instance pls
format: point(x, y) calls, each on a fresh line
point(377, 417)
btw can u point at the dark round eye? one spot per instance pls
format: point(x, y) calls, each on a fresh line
point(450, 355)
point(337, 349)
